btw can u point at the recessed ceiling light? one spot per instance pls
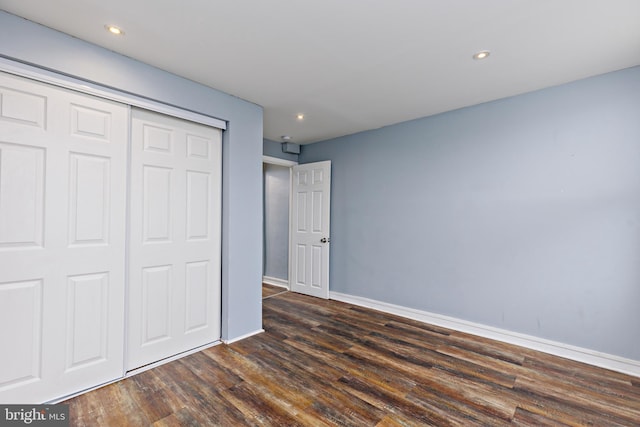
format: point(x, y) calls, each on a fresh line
point(300, 116)
point(285, 138)
point(114, 30)
point(482, 54)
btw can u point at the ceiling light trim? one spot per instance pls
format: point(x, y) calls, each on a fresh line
point(482, 54)
point(114, 29)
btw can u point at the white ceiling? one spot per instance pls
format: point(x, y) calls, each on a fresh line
point(352, 65)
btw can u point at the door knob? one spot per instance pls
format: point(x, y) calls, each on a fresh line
point(324, 240)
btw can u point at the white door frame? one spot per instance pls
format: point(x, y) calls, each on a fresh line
point(290, 164)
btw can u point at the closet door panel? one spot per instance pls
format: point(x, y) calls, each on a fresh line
point(174, 294)
point(62, 239)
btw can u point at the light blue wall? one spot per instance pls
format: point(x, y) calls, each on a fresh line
point(274, 149)
point(242, 147)
point(276, 221)
point(523, 213)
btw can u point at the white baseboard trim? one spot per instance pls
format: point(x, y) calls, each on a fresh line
point(236, 339)
point(275, 282)
point(592, 357)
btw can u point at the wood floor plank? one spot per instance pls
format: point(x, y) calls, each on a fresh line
point(326, 363)
point(117, 408)
point(181, 418)
point(306, 310)
point(252, 372)
point(498, 350)
point(324, 400)
point(488, 404)
point(218, 377)
point(611, 395)
point(602, 380)
point(524, 418)
point(394, 421)
point(376, 372)
point(201, 398)
point(149, 395)
point(271, 290)
point(409, 333)
point(563, 412)
point(280, 350)
point(460, 416)
point(257, 343)
point(393, 403)
point(496, 364)
point(580, 400)
point(323, 339)
point(401, 366)
point(428, 358)
point(292, 315)
point(259, 405)
point(408, 326)
point(324, 390)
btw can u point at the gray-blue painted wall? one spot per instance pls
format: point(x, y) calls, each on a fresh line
point(276, 221)
point(242, 147)
point(523, 213)
point(274, 149)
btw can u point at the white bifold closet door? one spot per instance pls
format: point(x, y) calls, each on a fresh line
point(62, 240)
point(174, 265)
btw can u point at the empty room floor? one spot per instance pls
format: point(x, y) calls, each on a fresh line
point(328, 363)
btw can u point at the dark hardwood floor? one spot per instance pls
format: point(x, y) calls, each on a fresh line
point(329, 363)
point(269, 291)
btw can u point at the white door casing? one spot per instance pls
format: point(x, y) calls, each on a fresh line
point(62, 240)
point(174, 269)
point(310, 229)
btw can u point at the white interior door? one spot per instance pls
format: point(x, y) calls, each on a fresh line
point(174, 270)
point(310, 229)
point(62, 240)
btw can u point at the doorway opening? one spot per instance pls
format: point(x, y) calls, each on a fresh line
point(296, 225)
point(276, 175)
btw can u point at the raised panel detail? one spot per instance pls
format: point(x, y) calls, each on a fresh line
point(157, 139)
point(316, 266)
point(198, 204)
point(21, 338)
point(21, 196)
point(302, 177)
point(301, 212)
point(156, 307)
point(198, 147)
point(301, 276)
point(89, 122)
point(87, 323)
point(23, 108)
point(89, 199)
point(318, 176)
point(157, 204)
point(196, 297)
point(316, 208)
